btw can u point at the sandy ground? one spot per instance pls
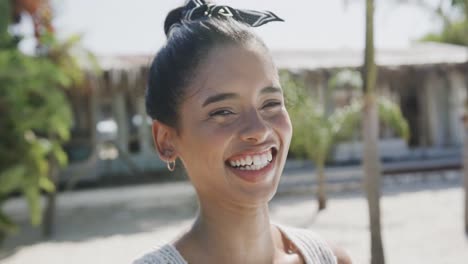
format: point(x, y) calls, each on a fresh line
point(422, 223)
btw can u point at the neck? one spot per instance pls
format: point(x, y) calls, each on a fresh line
point(234, 234)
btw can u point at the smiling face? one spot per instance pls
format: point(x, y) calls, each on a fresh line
point(234, 130)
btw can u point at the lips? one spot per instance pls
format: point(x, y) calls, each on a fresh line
point(253, 165)
point(252, 161)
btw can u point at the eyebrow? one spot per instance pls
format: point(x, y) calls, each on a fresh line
point(219, 97)
point(271, 89)
point(225, 96)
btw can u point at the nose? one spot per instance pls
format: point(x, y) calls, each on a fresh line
point(254, 129)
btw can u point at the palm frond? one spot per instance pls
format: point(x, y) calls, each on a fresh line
point(345, 120)
point(347, 77)
point(390, 114)
point(315, 133)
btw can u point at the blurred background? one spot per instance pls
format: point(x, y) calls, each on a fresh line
point(80, 181)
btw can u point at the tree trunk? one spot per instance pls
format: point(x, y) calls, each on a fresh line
point(465, 140)
point(49, 212)
point(321, 189)
point(465, 168)
point(370, 126)
point(372, 176)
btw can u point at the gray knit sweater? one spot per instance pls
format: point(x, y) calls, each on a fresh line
point(311, 246)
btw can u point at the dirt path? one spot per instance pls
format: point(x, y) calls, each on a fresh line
point(422, 224)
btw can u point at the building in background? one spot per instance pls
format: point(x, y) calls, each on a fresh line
point(112, 134)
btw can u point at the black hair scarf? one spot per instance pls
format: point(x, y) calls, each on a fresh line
point(200, 9)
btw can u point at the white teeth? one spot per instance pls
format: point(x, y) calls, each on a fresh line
point(253, 167)
point(257, 160)
point(248, 160)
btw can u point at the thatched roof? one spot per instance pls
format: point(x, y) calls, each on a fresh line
point(417, 54)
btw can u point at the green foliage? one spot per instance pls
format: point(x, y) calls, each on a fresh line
point(345, 120)
point(345, 78)
point(454, 30)
point(390, 114)
point(461, 4)
point(315, 132)
point(35, 118)
point(5, 11)
point(35, 121)
point(454, 33)
point(312, 132)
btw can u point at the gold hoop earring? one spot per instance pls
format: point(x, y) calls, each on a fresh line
point(171, 165)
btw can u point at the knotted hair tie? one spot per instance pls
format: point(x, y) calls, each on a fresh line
point(200, 9)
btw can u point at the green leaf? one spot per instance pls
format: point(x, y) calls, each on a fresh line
point(345, 121)
point(46, 184)
point(59, 154)
point(62, 131)
point(346, 78)
point(11, 179)
point(315, 132)
point(390, 114)
point(33, 199)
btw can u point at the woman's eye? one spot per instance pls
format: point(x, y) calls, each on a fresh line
point(223, 112)
point(271, 104)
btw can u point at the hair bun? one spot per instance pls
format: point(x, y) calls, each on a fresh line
point(173, 17)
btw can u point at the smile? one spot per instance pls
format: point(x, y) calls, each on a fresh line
point(251, 162)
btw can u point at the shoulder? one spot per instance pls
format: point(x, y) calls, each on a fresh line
point(166, 254)
point(312, 246)
point(341, 255)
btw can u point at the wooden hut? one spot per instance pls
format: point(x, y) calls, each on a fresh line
point(111, 134)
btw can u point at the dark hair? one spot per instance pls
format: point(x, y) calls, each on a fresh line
point(176, 62)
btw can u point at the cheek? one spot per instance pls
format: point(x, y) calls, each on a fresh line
point(282, 125)
point(202, 143)
point(203, 150)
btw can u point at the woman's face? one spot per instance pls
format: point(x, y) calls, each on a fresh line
point(234, 128)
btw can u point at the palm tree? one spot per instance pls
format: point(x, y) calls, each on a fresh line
point(454, 31)
point(463, 6)
point(370, 126)
point(316, 132)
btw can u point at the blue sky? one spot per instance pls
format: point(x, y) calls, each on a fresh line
point(135, 27)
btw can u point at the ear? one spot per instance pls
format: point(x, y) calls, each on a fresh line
point(163, 136)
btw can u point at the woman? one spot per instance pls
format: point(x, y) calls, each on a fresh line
point(217, 105)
